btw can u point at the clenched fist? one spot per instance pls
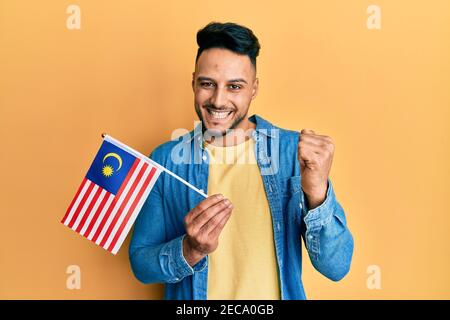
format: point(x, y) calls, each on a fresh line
point(315, 153)
point(203, 225)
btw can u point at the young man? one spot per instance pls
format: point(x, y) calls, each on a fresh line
point(268, 188)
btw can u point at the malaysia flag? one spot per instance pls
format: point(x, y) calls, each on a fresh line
point(111, 194)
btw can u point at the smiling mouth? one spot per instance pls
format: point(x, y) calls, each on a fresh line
point(218, 115)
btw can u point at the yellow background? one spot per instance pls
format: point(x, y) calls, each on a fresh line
point(382, 95)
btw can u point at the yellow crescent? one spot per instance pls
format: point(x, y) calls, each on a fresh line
point(115, 155)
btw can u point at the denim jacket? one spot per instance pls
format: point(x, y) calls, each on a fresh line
point(156, 252)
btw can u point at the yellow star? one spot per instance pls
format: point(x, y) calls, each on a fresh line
point(107, 171)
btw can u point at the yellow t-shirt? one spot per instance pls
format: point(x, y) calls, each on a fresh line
point(244, 264)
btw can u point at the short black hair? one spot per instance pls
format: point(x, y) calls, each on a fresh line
point(231, 36)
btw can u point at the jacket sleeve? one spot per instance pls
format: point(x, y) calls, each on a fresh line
point(327, 238)
point(153, 257)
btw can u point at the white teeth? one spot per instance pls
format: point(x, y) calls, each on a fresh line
point(219, 115)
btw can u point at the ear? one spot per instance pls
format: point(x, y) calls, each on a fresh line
point(193, 81)
point(255, 88)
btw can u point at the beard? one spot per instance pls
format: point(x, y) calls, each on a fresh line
point(237, 120)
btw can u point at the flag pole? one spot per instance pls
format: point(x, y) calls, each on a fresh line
point(140, 155)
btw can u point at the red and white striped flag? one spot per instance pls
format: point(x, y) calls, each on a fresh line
point(112, 194)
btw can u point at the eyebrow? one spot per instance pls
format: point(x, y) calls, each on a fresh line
point(201, 78)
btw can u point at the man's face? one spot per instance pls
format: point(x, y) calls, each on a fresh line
point(224, 84)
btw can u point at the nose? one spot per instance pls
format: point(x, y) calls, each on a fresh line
point(219, 98)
